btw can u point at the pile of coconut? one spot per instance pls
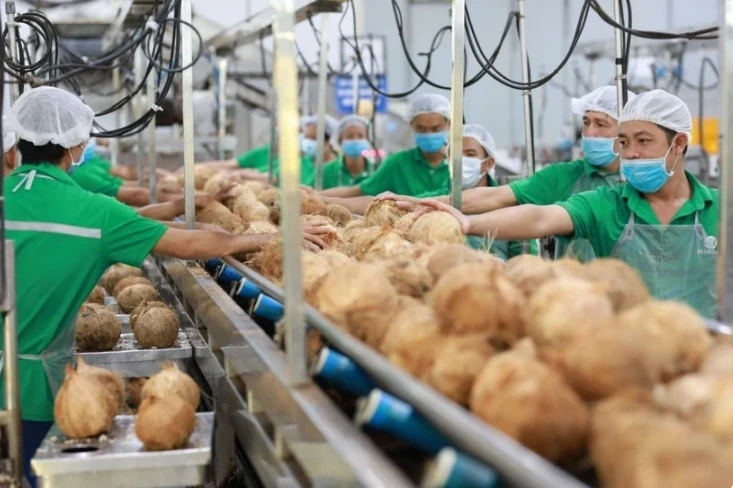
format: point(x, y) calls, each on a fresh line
point(153, 323)
point(91, 397)
point(554, 354)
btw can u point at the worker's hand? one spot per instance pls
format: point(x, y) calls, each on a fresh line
point(225, 192)
point(169, 187)
point(408, 203)
point(388, 195)
point(212, 228)
point(246, 174)
point(313, 236)
point(427, 206)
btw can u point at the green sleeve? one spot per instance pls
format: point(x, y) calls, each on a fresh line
point(330, 174)
point(382, 179)
point(97, 182)
point(126, 236)
point(99, 161)
point(255, 159)
point(434, 193)
point(307, 172)
point(516, 248)
point(542, 188)
point(583, 210)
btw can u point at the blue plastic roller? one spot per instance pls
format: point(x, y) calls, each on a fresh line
point(268, 308)
point(453, 469)
point(226, 275)
point(341, 372)
point(244, 289)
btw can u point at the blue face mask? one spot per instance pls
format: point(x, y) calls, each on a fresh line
point(309, 147)
point(647, 175)
point(355, 148)
point(599, 151)
point(431, 142)
point(74, 164)
point(90, 151)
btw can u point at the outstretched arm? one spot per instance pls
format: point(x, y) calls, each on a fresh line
point(343, 192)
point(356, 205)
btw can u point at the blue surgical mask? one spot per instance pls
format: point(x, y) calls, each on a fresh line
point(74, 164)
point(647, 175)
point(355, 148)
point(309, 147)
point(599, 151)
point(431, 142)
point(90, 151)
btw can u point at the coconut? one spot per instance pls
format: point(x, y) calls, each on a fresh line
point(560, 306)
point(530, 402)
point(335, 258)
point(115, 273)
point(407, 276)
point(271, 199)
point(405, 223)
point(688, 396)
point(382, 212)
point(477, 299)
point(315, 269)
point(157, 327)
point(215, 182)
point(458, 360)
point(255, 187)
point(113, 382)
point(625, 287)
point(311, 203)
point(84, 406)
point(201, 175)
point(315, 219)
point(379, 243)
point(413, 339)
point(258, 228)
point(529, 272)
point(359, 298)
point(249, 209)
point(352, 230)
point(338, 213)
point(134, 391)
point(436, 227)
point(448, 256)
point(134, 295)
point(218, 214)
point(97, 329)
point(269, 261)
point(719, 360)
point(171, 381)
point(164, 423)
point(129, 281)
point(97, 296)
point(143, 307)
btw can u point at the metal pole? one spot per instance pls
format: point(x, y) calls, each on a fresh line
point(322, 85)
point(526, 93)
point(619, 38)
point(189, 188)
point(725, 270)
point(355, 87)
point(115, 143)
point(285, 75)
point(139, 68)
point(223, 62)
point(12, 39)
point(456, 96)
point(10, 365)
point(273, 138)
point(152, 151)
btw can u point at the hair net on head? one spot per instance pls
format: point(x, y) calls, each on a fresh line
point(482, 136)
point(348, 121)
point(8, 137)
point(429, 104)
point(331, 123)
point(603, 100)
point(661, 108)
point(50, 115)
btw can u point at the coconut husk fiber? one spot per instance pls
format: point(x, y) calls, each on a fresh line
point(96, 296)
point(202, 174)
point(382, 212)
point(408, 276)
point(84, 406)
point(625, 286)
point(339, 214)
point(249, 209)
point(218, 214)
point(117, 272)
point(436, 227)
point(352, 230)
point(172, 381)
point(164, 423)
point(134, 295)
point(157, 327)
point(97, 329)
point(412, 339)
point(269, 261)
point(447, 256)
point(144, 307)
point(112, 382)
point(129, 281)
point(528, 272)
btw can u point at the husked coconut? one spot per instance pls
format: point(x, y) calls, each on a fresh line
point(255, 187)
point(97, 329)
point(448, 256)
point(249, 209)
point(269, 261)
point(171, 381)
point(157, 327)
point(218, 214)
point(404, 223)
point(96, 296)
point(382, 212)
point(335, 258)
point(718, 419)
point(134, 391)
point(134, 295)
point(84, 406)
point(379, 243)
point(359, 298)
point(164, 423)
point(338, 213)
point(477, 299)
point(129, 281)
point(352, 230)
point(625, 287)
point(117, 272)
point(458, 360)
point(407, 276)
point(258, 228)
point(315, 269)
point(215, 182)
point(413, 338)
point(202, 174)
point(111, 381)
point(560, 306)
point(144, 307)
point(312, 203)
point(719, 360)
point(688, 396)
point(436, 227)
point(532, 404)
point(316, 219)
point(530, 272)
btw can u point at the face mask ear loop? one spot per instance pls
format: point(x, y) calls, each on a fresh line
point(677, 157)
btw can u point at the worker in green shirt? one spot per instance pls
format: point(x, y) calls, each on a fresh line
point(415, 171)
point(663, 222)
point(65, 238)
point(352, 167)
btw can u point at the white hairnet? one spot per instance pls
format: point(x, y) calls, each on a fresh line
point(482, 136)
point(50, 115)
point(8, 137)
point(429, 104)
point(661, 108)
point(331, 123)
point(348, 121)
point(603, 100)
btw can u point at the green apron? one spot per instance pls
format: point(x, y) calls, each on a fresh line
point(677, 262)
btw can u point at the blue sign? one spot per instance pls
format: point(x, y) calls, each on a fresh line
point(345, 93)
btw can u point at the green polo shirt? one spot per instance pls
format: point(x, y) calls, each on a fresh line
point(94, 177)
point(407, 173)
point(307, 171)
point(600, 216)
point(100, 161)
point(336, 174)
point(65, 238)
point(557, 182)
point(257, 159)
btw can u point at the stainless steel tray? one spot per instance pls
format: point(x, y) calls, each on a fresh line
point(119, 460)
